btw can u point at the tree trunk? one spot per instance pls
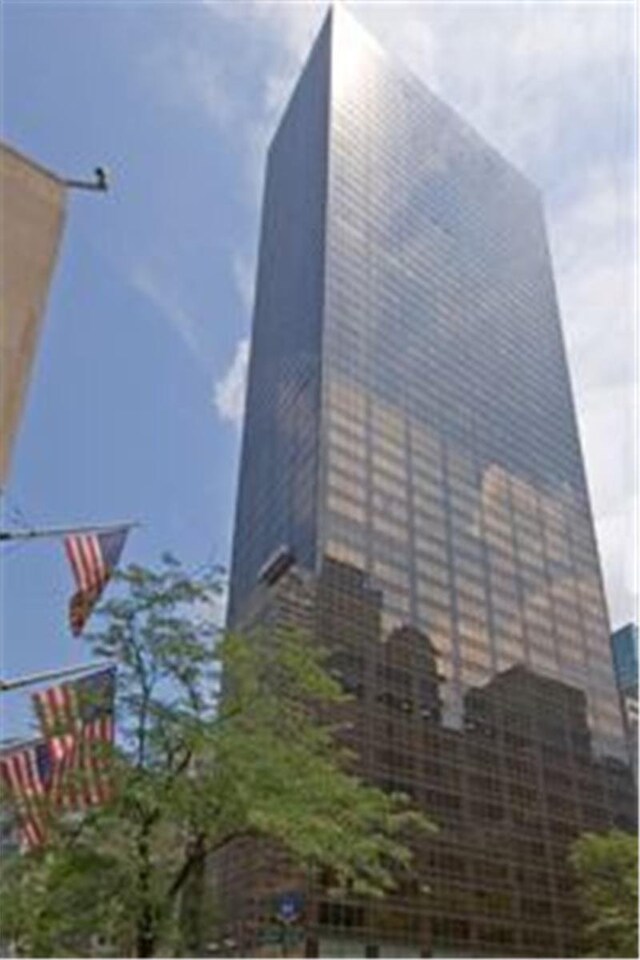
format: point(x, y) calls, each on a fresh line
point(146, 941)
point(146, 923)
point(193, 895)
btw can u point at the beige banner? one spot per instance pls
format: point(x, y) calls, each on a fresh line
point(31, 220)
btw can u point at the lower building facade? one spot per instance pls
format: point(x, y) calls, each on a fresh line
point(509, 791)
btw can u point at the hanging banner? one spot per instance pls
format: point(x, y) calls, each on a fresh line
point(33, 203)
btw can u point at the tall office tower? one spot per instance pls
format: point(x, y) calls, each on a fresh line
point(409, 416)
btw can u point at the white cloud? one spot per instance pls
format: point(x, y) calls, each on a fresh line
point(147, 281)
point(283, 33)
point(244, 269)
point(213, 610)
point(205, 84)
point(517, 71)
point(229, 390)
point(292, 24)
point(609, 431)
point(592, 240)
point(186, 76)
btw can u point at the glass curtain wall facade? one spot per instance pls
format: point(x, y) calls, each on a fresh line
point(410, 416)
point(409, 408)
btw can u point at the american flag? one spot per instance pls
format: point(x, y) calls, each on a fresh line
point(77, 721)
point(93, 557)
point(27, 772)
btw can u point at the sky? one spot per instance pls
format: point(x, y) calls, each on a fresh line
point(135, 404)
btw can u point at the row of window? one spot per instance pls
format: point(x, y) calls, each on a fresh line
point(427, 467)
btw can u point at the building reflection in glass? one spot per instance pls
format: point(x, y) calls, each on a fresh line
point(510, 789)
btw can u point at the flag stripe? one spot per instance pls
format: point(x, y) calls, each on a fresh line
point(70, 547)
point(22, 774)
point(77, 721)
point(87, 561)
point(98, 566)
point(55, 709)
point(92, 558)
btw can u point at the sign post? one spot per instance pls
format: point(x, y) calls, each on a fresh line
point(290, 908)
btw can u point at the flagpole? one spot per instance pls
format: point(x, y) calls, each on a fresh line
point(31, 678)
point(63, 531)
point(10, 744)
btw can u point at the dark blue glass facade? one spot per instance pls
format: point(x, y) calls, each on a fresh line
point(277, 495)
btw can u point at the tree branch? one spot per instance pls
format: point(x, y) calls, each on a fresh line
point(199, 851)
point(146, 692)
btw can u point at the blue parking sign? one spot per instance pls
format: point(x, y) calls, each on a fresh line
point(290, 906)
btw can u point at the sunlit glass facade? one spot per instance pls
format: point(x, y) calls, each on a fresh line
point(410, 418)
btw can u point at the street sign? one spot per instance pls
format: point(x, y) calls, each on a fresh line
point(290, 906)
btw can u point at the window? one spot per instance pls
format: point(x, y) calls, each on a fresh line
point(346, 508)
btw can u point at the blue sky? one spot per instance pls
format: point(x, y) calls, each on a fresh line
point(136, 397)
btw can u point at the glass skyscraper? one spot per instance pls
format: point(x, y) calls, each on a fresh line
point(410, 419)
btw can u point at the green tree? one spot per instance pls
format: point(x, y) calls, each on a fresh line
point(606, 868)
point(193, 771)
